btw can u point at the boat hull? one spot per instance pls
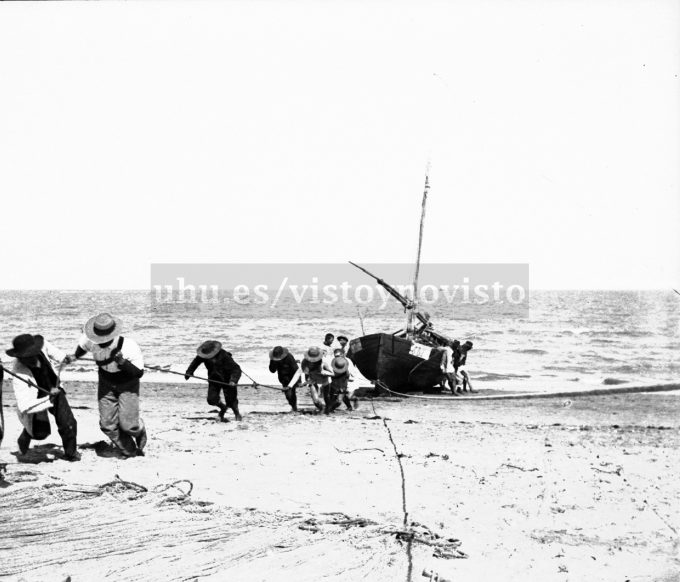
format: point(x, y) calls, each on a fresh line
point(399, 363)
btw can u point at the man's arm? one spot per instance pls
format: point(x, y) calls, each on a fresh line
point(82, 348)
point(54, 353)
point(195, 363)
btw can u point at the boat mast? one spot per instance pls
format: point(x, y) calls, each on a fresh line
point(414, 299)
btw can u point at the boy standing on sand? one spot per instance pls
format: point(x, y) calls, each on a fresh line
point(338, 384)
point(34, 356)
point(223, 374)
point(120, 366)
point(283, 362)
point(348, 392)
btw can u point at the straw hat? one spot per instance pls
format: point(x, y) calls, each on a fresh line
point(103, 328)
point(278, 353)
point(313, 354)
point(340, 365)
point(209, 349)
point(26, 345)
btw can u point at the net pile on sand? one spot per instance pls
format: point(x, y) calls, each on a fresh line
point(123, 531)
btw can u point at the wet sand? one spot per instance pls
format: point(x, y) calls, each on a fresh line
point(557, 489)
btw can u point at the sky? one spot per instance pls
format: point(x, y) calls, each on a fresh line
point(134, 133)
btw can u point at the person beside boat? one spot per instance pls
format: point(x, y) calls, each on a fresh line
point(459, 366)
point(317, 371)
point(447, 366)
point(223, 376)
point(328, 346)
point(343, 344)
point(34, 358)
point(282, 362)
point(120, 366)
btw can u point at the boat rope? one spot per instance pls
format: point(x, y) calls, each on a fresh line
point(160, 369)
point(397, 455)
point(537, 395)
point(25, 381)
point(417, 396)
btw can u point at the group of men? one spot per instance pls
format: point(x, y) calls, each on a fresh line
point(327, 370)
point(37, 367)
point(36, 373)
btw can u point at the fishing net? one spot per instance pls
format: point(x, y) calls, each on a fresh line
point(124, 531)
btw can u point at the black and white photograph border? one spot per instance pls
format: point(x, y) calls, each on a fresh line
point(340, 291)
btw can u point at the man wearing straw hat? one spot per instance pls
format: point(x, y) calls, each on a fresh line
point(120, 364)
point(223, 374)
point(317, 372)
point(33, 367)
point(283, 362)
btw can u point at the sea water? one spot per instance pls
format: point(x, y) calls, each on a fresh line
point(570, 338)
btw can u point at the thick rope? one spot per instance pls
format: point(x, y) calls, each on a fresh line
point(159, 369)
point(32, 384)
point(538, 395)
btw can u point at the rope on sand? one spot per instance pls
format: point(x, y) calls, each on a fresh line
point(535, 395)
point(407, 538)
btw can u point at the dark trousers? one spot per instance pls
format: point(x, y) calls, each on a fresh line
point(331, 398)
point(291, 397)
point(230, 397)
point(119, 414)
point(67, 426)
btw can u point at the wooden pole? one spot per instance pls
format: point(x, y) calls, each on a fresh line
point(414, 303)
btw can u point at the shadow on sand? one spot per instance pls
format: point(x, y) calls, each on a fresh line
point(47, 453)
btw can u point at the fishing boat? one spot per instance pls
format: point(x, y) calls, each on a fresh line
point(406, 360)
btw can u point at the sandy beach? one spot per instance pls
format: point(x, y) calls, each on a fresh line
point(580, 489)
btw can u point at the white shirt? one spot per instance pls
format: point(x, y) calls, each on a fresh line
point(27, 399)
point(130, 351)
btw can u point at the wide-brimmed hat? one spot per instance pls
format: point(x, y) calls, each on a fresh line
point(340, 364)
point(313, 354)
point(342, 337)
point(103, 328)
point(468, 344)
point(278, 353)
point(209, 349)
point(26, 345)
